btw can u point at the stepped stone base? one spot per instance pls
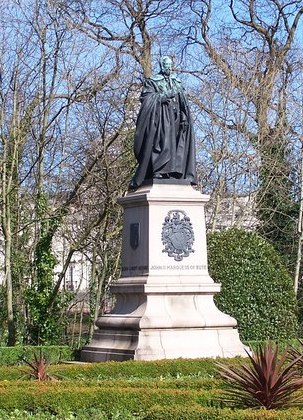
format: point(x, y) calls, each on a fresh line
point(165, 298)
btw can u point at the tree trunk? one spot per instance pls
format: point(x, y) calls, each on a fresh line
point(11, 340)
point(6, 227)
point(300, 232)
point(100, 286)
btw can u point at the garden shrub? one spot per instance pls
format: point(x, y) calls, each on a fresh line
point(175, 369)
point(167, 389)
point(257, 289)
point(199, 369)
point(10, 356)
point(92, 414)
point(56, 397)
point(158, 413)
point(136, 369)
point(207, 413)
point(68, 399)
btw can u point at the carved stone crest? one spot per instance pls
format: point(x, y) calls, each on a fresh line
point(177, 235)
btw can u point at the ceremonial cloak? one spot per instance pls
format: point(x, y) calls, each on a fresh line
point(164, 143)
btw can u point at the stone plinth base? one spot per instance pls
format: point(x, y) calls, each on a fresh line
point(164, 299)
point(189, 343)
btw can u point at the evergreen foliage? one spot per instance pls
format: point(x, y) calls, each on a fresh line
point(257, 289)
point(277, 210)
point(45, 310)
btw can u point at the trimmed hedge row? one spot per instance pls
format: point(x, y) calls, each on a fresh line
point(58, 397)
point(206, 413)
point(10, 356)
point(177, 368)
point(159, 413)
point(203, 368)
point(199, 368)
point(195, 383)
point(185, 383)
point(168, 389)
point(182, 383)
point(72, 401)
point(92, 414)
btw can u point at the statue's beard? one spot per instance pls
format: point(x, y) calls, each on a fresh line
point(166, 72)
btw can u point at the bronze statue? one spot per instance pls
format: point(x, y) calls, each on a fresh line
point(164, 140)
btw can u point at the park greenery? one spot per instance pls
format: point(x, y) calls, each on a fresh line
point(257, 289)
point(167, 389)
point(70, 78)
point(71, 73)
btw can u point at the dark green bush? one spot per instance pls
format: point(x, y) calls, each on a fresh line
point(10, 356)
point(257, 289)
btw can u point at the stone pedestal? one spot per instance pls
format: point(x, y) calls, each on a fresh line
point(164, 298)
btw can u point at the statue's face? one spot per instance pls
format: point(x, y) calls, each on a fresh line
point(166, 66)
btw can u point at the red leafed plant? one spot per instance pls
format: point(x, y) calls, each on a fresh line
point(38, 368)
point(268, 381)
point(296, 354)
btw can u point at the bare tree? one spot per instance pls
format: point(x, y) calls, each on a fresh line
point(253, 55)
point(45, 154)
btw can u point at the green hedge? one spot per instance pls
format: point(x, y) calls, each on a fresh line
point(168, 389)
point(202, 368)
point(56, 397)
point(129, 370)
point(196, 369)
point(10, 356)
point(155, 403)
point(257, 289)
point(185, 383)
point(206, 413)
point(92, 414)
point(158, 413)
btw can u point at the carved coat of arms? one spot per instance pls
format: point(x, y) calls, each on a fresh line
point(177, 235)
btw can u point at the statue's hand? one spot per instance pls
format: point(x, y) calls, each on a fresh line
point(171, 96)
point(184, 124)
point(165, 99)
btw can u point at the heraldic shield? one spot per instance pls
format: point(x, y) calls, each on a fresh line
point(177, 235)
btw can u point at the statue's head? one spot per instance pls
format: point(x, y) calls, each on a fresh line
point(166, 65)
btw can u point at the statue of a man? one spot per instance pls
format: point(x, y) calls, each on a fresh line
point(164, 141)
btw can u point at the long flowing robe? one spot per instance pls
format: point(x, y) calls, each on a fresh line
point(164, 143)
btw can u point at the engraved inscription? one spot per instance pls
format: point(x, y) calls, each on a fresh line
point(144, 268)
point(134, 268)
point(179, 267)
